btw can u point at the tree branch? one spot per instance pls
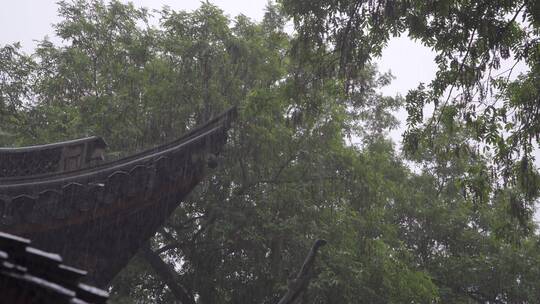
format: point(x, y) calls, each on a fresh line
point(168, 275)
point(301, 282)
point(178, 244)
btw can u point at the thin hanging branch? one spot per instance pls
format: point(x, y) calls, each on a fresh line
point(301, 282)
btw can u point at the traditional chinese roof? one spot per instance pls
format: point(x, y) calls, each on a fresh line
point(95, 214)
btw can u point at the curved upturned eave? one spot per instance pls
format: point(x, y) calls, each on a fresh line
point(82, 198)
point(107, 211)
point(61, 144)
point(96, 174)
point(41, 203)
point(215, 125)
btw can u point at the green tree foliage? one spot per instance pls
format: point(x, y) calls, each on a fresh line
point(472, 41)
point(15, 73)
point(308, 157)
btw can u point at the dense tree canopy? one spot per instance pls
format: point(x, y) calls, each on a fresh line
point(309, 156)
point(478, 45)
